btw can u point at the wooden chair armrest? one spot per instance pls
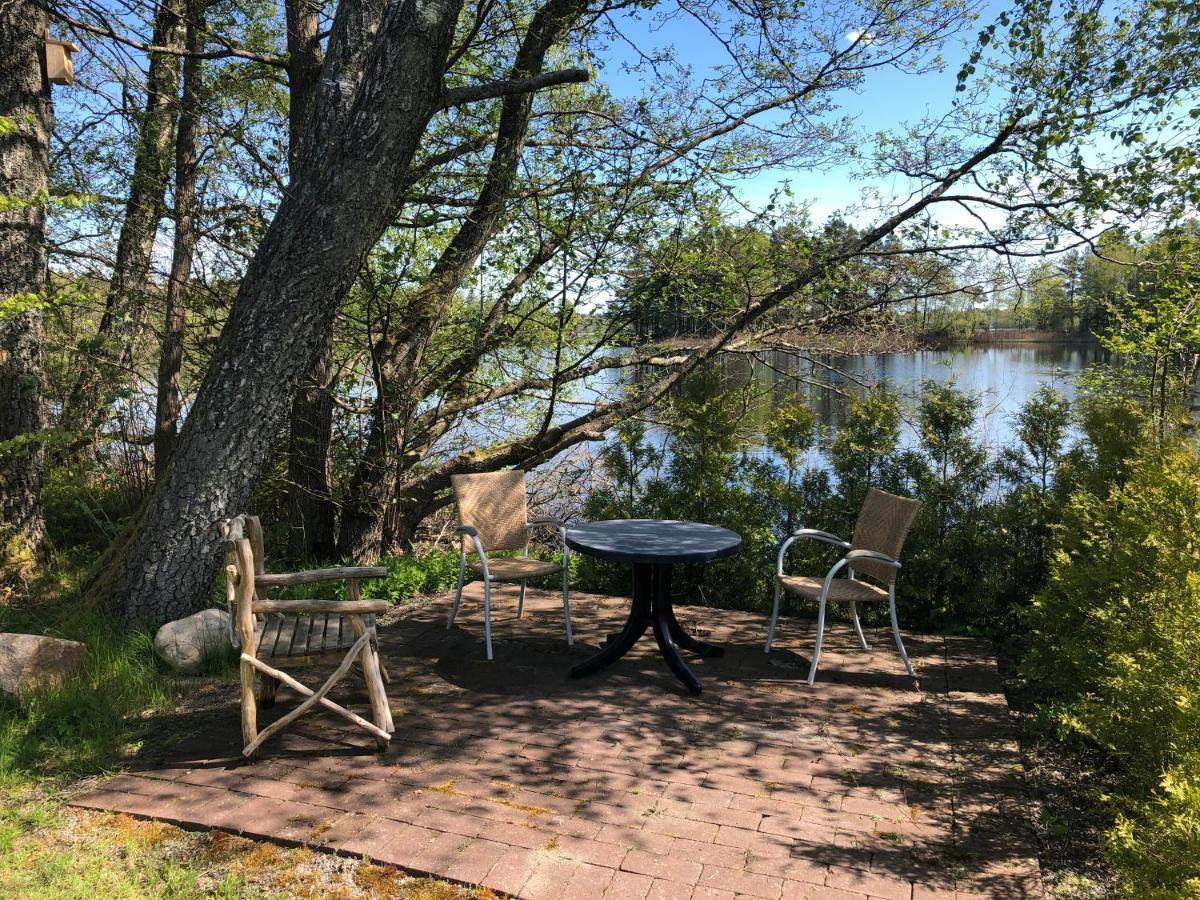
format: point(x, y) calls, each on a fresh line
point(338, 607)
point(341, 573)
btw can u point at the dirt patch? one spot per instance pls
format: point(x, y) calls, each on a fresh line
point(1066, 781)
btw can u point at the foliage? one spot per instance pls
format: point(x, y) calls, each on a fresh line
point(1116, 638)
point(949, 473)
point(975, 552)
point(85, 724)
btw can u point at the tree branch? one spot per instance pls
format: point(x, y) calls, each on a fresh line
point(509, 86)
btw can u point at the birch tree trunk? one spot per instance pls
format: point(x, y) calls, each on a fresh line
point(381, 83)
point(25, 126)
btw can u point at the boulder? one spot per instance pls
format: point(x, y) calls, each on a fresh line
point(185, 644)
point(31, 661)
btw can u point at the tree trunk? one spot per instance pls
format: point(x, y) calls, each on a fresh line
point(311, 524)
point(400, 386)
point(168, 407)
point(109, 363)
point(380, 86)
point(25, 126)
point(310, 507)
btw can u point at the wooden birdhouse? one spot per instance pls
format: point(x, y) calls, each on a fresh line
point(59, 68)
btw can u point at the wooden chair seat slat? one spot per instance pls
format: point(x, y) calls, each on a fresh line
point(268, 637)
point(283, 637)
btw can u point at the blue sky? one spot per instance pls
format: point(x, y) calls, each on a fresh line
point(887, 100)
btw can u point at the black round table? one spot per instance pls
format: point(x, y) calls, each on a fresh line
point(653, 547)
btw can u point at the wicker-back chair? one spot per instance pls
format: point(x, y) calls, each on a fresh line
point(274, 635)
point(874, 551)
point(493, 517)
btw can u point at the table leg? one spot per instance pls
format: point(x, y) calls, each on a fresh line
point(682, 639)
point(663, 617)
point(635, 626)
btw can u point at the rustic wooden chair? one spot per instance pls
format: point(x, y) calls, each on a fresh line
point(493, 517)
point(874, 551)
point(278, 634)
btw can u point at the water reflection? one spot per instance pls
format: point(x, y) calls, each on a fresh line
point(1003, 377)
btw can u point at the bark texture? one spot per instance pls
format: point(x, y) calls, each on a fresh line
point(28, 119)
point(310, 509)
point(373, 495)
point(381, 83)
point(110, 352)
point(169, 405)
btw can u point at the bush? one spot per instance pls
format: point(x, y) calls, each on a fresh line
point(1116, 638)
point(409, 576)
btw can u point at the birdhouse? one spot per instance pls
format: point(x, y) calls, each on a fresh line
point(59, 68)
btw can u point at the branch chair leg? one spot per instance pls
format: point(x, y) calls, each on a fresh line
point(249, 704)
point(521, 601)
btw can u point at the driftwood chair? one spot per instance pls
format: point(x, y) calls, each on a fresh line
point(874, 551)
point(274, 635)
point(493, 517)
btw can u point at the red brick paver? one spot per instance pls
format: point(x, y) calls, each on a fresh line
point(510, 775)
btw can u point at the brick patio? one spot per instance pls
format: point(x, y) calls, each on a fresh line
point(510, 775)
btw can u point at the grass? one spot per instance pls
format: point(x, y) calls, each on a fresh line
point(49, 851)
point(90, 725)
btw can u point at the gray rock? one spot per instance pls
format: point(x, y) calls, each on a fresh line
point(32, 662)
point(184, 645)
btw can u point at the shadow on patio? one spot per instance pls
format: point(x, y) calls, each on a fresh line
point(511, 775)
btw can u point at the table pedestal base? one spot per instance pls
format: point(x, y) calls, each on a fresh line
point(652, 608)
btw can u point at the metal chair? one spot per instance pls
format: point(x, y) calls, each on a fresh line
point(493, 517)
point(874, 551)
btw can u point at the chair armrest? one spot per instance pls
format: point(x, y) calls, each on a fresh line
point(872, 556)
point(468, 530)
point(810, 534)
point(553, 523)
point(337, 607)
point(341, 573)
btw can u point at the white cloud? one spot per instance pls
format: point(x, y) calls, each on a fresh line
point(853, 36)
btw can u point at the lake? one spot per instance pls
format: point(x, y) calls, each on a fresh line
point(1003, 376)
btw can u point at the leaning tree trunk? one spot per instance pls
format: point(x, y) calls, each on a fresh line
point(381, 84)
point(169, 404)
point(26, 120)
point(111, 351)
point(310, 507)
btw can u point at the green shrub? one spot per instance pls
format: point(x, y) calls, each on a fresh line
point(409, 576)
point(1116, 638)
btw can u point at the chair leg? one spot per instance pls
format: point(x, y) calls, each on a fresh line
point(858, 625)
point(896, 632)
point(521, 601)
point(812, 669)
point(462, 572)
point(249, 706)
point(774, 617)
point(487, 614)
point(369, 660)
point(567, 604)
